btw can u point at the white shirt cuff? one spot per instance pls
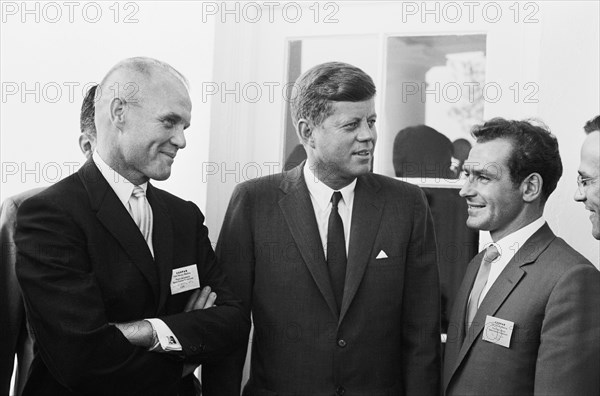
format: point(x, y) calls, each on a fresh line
point(167, 342)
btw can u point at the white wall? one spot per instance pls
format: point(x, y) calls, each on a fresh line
point(74, 50)
point(551, 46)
point(558, 54)
point(570, 75)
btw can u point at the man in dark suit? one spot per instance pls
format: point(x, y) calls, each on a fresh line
point(525, 320)
point(110, 266)
point(336, 264)
point(13, 327)
point(588, 179)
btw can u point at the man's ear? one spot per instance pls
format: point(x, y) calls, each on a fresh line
point(117, 109)
point(87, 143)
point(531, 187)
point(305, 132)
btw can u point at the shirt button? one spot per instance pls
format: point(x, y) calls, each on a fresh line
point(341, 344)
point(340, 391)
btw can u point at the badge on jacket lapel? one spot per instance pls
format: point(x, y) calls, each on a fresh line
point(498, 331)
point(184, 279)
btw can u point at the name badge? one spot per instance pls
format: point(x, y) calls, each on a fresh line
point(498, 331)
point(184, 279)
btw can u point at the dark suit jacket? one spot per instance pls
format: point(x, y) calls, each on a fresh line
point(552, 294)
point(385, 341)
point(456, 244)
point(13, 326)
point(83, 263)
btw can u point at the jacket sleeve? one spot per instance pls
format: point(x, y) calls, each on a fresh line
point(236, 254)
point(208, 334)
point(568, 360)
point(11, 305)
point(66, 311)
point(421, 341)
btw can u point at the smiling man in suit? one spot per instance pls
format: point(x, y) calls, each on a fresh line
point(336, 264)
point(110, 266)
point(525, 319)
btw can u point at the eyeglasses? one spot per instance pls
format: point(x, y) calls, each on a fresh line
point(584, 181)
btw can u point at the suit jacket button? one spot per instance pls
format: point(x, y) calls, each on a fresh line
point(340, 391)
point(341, 344)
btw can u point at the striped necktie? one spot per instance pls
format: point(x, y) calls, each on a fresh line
point(142, 214)
point(491, 254)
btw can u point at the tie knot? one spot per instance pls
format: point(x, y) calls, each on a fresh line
point(335, 198)
point(491, 253)
point(138, 192)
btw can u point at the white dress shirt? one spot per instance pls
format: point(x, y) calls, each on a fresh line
point(123, 188)
point(320, 195)
point(508, 248)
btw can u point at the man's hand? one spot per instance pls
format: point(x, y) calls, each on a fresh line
point(201, 299)
point(138, 333)
point(141, 333)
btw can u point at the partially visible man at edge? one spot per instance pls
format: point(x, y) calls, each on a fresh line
point(588, 185)
point(13, 327)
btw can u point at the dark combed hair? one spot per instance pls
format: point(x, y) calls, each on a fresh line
point(315, 90)
point(534, 150)
point(88, 110)
point(421, 151)
point(592, 125)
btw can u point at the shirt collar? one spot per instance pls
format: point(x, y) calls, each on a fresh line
point(322, 192)
point(120, 185)
point(510, 244)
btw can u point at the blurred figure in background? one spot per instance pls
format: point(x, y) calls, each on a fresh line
point(461, 148)
point(13, 326)
point(421, 151)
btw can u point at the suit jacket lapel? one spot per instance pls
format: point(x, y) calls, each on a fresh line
point(300, 216)
point(113, 215)
point(503, 286)
point(459, 311)
point(494, 298)
point(162, 242)
point(366, 217)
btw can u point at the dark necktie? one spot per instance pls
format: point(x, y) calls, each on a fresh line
point(336, 250)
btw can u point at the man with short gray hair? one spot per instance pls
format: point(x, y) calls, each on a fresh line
point(119, 277)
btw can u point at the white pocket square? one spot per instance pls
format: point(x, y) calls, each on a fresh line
point(381, 255)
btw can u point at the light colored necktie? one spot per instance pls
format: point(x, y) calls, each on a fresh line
point(142, 214)
point(491, 254)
